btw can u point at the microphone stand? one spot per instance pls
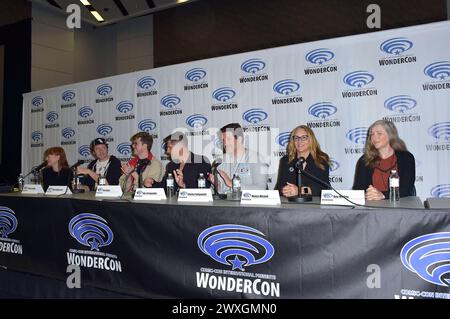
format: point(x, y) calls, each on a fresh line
point(75, 189)
point(216, 194)
point(300, 198)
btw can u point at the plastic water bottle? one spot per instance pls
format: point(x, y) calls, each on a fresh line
point(201, 182)
point(236, 187)
point(101, 180)
point(20, 182)
point(394, 186)
point(170, 188)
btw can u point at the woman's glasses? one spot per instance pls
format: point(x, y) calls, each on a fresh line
point(302, 138)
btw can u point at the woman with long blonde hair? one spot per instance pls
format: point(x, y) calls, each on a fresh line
point(302, 143)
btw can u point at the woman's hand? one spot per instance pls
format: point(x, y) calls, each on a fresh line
point(289, 190)
point(373, 194)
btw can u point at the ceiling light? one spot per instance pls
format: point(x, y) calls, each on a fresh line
point(85, 2)
point(97, 16)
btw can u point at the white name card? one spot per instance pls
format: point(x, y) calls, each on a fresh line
point(330, 197)
point(108, 191)
point(260, 197)
point(195, 195)
point(149, 194)
point(55, 190)
point(32, 189)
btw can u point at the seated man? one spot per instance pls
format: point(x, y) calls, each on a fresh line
point(143, 163)
point(251, 166)
point(185, 166)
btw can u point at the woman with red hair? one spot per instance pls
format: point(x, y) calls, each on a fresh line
point(57, 171)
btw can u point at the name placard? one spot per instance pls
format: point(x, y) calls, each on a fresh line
point(195, 195)
point(55, 190)
point(149, 194)
point(260, 197)
point(330, 197)
point(108, 191)
point(32, 189)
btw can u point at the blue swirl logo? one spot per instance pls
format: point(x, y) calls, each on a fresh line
point(104, 89)
point(68, 96)
point(440, 131)
point(224, 94)
point(85, 111)
point(36, 136)
point(247, 245)
point(357, 135)
point(254, 116)
point(319, 56)
point(400, 103)
point(196, 120)
point(147, 125)
point(218, 143)
point(195, 74)
point(146, 82)
point(334, 165)
point(52, 116)
point(170, 100)
point(37, 101)
point(68, 132)
point(124, 106)
point(396, 46)
point(440, 191)
point(84, 150)
point(286, 87)
point(8, 222)
point(428, 256)
point(104, 129)
point(91, 230)
point(253, 66)
point(438, 70)
point(358, 78)
point(322, 110)
point(164, 146)
point(283, 138)
point(124, 148)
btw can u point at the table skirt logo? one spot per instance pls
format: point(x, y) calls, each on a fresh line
point(428, 256)
point(8, 225)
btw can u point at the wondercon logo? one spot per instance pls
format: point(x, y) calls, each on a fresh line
point(254, 116)
point(357, 135)
point(196, 120)
point(37, 101)
point(146, 82)
point(104, 129)
point(428, 256)
point(334, 165)
point(253, 66)
point(440, 131)
point(400, 103)
point(283, 138)
point(396, 46)
point(322, 110)
point(124, 106)
point(91, 230)
point(147, 125)
point(124, 148)
point(440, 191)
point(52, 116)
point(36, 136)
point(319, 56)
point(104, 89)
point(247, 245)
point(68, 96)
point(68, 132)
point(8, 222)
point(85, 111)
point(438, 70)
point(195, 74)
point(84, 150)
point(358, 78)
point(170, 100)
point(224, 94)
point(286, 87)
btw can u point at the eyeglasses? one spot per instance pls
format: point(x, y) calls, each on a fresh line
point(302, 138)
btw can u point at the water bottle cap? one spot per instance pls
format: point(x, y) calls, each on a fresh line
point(393, 171)
point(201, 174)
point(170, 174)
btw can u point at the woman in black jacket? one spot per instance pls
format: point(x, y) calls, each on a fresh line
point(302, 143)
point(57, 172)
point(384, 151)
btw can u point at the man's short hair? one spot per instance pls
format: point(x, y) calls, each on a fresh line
point(178, 137)
point(234, 128)
point(145, 139)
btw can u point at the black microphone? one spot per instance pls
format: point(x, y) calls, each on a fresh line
point(78, 163)
point(40, 166)
point(299, 163)
point(216, 163)
point(141, 165)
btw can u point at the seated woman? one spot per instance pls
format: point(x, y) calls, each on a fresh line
point(383, 152)
point(57, 171)
point(304, 144)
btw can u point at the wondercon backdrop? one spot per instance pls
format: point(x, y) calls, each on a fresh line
point(338, 87)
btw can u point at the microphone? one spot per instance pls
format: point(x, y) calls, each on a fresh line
point(299, 163)
point(300, 198)
point(141, 165)
point(216, 163)
point(40, 166)
point(78, 163)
